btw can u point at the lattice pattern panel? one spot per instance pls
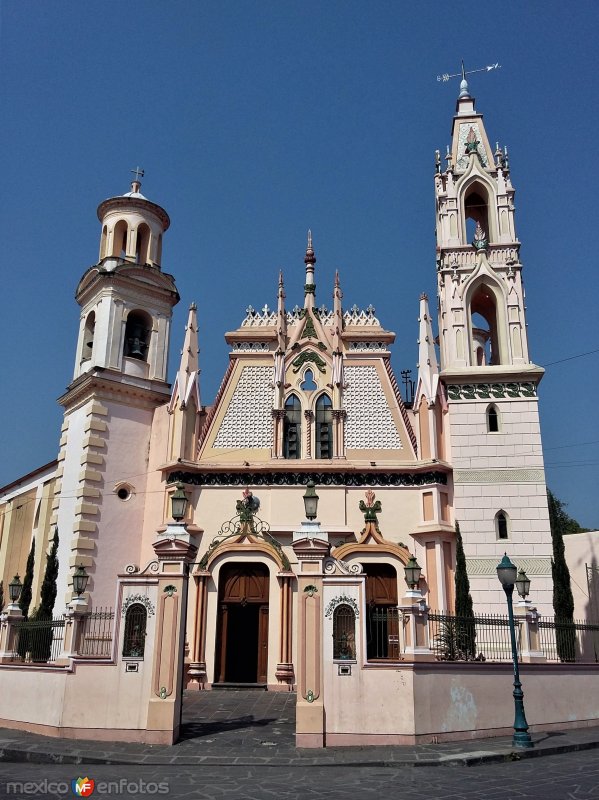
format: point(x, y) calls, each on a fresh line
point(523, 475)
point(247, 422)
point(369, 423)
point(487, 567)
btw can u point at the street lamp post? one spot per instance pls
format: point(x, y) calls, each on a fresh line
point(507, 574)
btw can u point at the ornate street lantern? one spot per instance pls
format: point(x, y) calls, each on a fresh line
point(80, 579)
point(179, 502)
point(412, 571)
point(310, 501)
point(523, 584)
point(14, 589)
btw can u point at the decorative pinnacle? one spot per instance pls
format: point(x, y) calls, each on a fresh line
point(193, 307)
point(281, 278)
point(424, 296)
point(309, 258)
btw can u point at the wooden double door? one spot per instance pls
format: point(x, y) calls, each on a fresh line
point(242, 625)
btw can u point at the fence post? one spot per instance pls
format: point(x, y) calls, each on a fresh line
point(528, 619)
point(74, 620)
point(11, 615)
point(414, 634)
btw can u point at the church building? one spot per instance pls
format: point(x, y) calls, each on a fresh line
point(309, 405)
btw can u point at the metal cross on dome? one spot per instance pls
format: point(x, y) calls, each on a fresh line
point(446, 76)
point(139, 173)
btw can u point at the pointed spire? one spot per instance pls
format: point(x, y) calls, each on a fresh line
point(309, 261)
point(464, 84)
point(428, 368)
point(281, 314)
point(187, 374)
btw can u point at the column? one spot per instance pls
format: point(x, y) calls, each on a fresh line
point(197, 667)
point(284, 672)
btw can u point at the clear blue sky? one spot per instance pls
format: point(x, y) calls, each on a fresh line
point(257, 120)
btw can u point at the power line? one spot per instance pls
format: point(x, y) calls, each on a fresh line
point(570, 358)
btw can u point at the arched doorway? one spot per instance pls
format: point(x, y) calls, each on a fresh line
point(242, 626)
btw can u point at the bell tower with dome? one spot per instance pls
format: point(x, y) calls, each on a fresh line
point(120, 378)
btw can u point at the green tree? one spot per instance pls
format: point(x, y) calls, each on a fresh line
point(563, 601)
point(1, 595)
point(48, 592)
point(465, 627)
point(25, 598)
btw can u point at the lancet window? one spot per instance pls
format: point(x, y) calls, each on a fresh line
point(292, 428)
point(324, 427)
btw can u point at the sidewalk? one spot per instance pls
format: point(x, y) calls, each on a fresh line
point(247, 728)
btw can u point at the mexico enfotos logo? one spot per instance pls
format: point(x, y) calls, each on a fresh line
point(87, 787)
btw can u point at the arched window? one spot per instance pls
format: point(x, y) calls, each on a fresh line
point(292, 428)
point(137, 335)
point(119, 239)
point(324, 427)
point(88, 336)
point(492, 419)
point(501, 525)
point(382, 628)
point(344, 633)
point(134, 639)
point(142, 244)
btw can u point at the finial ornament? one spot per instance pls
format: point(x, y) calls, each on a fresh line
point(310, 258)
point(480, 238)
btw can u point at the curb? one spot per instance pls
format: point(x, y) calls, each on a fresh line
point(14, 755)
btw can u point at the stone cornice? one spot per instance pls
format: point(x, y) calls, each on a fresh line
point(145, 281)
point(110, 385)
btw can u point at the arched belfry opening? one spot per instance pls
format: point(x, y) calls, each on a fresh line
point(476, 211)
point(486, 349)
point(88, 336)
point(137, 335)
point(142, 244)
point(119, 239)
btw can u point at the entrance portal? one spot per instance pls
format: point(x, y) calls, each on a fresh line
point(242, 629)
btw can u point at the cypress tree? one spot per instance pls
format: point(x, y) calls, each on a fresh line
point(563, 601)
point(1, 595)
point(465, 627)
point(25, 598)
point(48, 592)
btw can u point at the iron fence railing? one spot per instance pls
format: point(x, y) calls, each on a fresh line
point(38, 641)
point(96, 633)
point(574, 642)
point(479, 638)
point(382, 633)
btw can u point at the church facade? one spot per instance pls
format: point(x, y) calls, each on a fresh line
point(309, 396)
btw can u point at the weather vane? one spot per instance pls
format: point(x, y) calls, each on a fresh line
point(446, 76)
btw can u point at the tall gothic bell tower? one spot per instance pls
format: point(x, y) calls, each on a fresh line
point(491, 383)
point(120, 378)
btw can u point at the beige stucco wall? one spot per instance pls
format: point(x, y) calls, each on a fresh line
point(452, 701)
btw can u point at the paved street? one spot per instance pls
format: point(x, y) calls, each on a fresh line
point(572, 776)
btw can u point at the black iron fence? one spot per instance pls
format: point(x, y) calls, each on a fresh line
point(574, 642)
point(480, 638)
point(38, 641)
point(96, 633)
point(382, 633)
